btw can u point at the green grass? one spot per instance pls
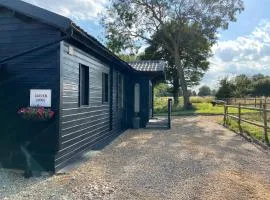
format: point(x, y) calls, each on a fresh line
point(251, 130)
point(201, 105)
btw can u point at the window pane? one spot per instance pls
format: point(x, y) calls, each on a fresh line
point(84, 85)
point(120, 91)
point(105, 88)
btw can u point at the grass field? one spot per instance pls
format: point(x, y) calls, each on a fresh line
point(251, 130)
point(200, 105)
point(203, 106)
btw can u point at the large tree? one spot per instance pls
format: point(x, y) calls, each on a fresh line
point(130, 22)
point(197, 53)
point(204, 91)
point(226, 89)
point(261, 87)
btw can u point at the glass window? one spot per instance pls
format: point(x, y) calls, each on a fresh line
point(120, 91)
point(105, 88)
point(84, 85)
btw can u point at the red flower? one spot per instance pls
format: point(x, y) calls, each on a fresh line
point(51, 114)
point(31, 113)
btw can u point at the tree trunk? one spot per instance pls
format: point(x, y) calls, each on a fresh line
point(182, 80)
point(175, 90)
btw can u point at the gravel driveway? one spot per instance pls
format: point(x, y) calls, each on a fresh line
point(196, 159)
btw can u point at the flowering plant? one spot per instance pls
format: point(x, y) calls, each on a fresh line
point(36, 113)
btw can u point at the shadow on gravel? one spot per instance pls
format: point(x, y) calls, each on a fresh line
point(12, 181)
point(190, 159)
point(196, 159)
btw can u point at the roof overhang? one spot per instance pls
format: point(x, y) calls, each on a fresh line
point(68, 27)
point(154, 69)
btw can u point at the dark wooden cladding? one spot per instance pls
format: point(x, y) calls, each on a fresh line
point(105, 113)
point(36, 70)
point(84, 126)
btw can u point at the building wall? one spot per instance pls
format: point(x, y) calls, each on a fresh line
point(37, 70)
point(82, 127)
point(144, 113)
point(74, 129)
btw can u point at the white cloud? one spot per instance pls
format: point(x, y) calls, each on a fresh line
point(74, 9)
point(248, 54)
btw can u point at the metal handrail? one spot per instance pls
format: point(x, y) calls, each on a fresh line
point(169, 112)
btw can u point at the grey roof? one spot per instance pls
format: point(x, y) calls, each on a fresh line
point(32, 11)
point(60, 22)
point(149, 65)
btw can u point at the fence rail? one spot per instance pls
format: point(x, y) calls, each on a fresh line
point(255, 101)
point(239, 118)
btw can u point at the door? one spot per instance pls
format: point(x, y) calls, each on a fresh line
point(151, 100)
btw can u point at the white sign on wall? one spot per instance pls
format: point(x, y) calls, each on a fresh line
point(40, 98)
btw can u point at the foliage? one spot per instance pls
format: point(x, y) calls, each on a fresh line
point(226, 89)
point(161, 90)
point(242, 85)
point(183, 28)
point(261, 87)
point(127, 58)
point(213, 92)
point(195, 59)
point(204, 91)
point(36, 114)
point(193, 93)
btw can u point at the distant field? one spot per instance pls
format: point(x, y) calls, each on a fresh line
point(201, 105)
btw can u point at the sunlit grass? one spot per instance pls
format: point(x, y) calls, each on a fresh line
point(200, 105)
point(251, 130)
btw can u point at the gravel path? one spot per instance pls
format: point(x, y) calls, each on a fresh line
point(196, 159)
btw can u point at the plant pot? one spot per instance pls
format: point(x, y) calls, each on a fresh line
point(136, 121)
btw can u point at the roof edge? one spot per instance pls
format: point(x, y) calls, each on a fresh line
point(43, 15)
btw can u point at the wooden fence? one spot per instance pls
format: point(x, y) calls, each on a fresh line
point(239, 118)
point(257, 102)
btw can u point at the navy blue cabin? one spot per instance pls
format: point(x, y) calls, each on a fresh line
point(92, 90)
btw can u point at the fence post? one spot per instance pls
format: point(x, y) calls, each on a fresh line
point(225, 114)
point(239, 118)
point(261, 107)
point(265, 124)
point(255, 102)
point(169, 112)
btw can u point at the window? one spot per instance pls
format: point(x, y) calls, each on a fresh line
point(120, 91)
point(84, 85)
point(137, 97)
point(105, 88)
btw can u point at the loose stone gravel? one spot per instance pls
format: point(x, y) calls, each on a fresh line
point(196, 159)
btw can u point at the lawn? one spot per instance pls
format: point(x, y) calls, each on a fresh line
point(203, 106)
point(250, 130)
point(200, 105)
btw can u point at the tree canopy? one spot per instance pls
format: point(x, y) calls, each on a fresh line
point(185, 29)
point(204, 91)
point(242, 85)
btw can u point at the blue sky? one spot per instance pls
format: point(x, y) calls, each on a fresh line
point(243, 48)
point(255, 11)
